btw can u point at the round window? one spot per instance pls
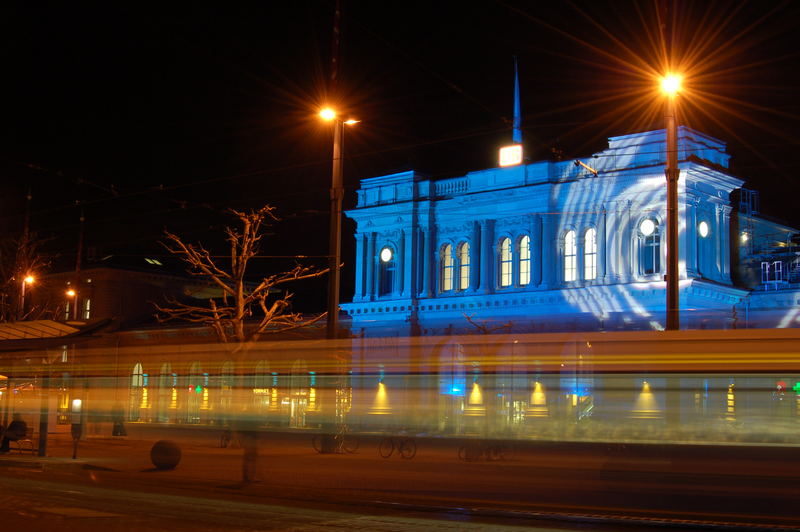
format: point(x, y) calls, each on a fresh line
point(647, 227)
point(386, 254)
point(702, 228)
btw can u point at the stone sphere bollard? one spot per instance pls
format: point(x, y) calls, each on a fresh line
point(165, 454)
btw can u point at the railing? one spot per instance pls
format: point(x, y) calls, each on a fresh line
point(451, 186)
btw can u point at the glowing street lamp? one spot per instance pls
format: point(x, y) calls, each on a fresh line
point(29, 279)
point(337, 191)
point(670, 86)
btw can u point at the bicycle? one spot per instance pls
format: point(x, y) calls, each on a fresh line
point(229, 438)
point(339, 443)
point(406, 447)
point(474, 451)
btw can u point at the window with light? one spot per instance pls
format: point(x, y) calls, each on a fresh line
point(463, 266)
point(447, 266)
point(505, 261)
point(570, 257)
point(386, 271)
point(590, 254)
point(649, 247)
point(524, 260)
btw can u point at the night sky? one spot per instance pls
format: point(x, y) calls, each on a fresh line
point(153, 116)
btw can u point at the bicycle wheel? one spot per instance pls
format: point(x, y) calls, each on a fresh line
point(462, 452)
point(494, 452)
point(470, 452)
point(316, 442)
point(408, 449)
point(350, 444)
point(386, 448)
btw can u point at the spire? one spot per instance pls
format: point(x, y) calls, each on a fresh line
point(517, 124)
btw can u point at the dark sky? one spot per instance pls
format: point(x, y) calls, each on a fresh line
point(163, 115)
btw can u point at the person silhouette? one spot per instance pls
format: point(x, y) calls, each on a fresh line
point(15, 431)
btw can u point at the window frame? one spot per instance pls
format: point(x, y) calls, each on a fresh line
point(590, 254)
point(524, 261)
point(649, 247)
point(505, 263)
point(463, 266)
point(447, 266)
point(570, 251)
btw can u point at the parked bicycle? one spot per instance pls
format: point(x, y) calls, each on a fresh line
point(488, 450)
point(229, 438)
point(405, 447)
point(339, 443)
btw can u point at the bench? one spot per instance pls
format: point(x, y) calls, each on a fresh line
point(25, 444)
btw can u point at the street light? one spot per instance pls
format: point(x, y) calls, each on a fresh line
point(29, 279)
point(670, 86)
point(337, 191)
point(73, 295)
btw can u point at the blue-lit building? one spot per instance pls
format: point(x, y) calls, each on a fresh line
point(569, 245)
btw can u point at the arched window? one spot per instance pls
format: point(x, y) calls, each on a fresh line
point(167, 395)
point(463, 266)
point(505, 261)
point(262, 386)
point(139, 402)
point(590, 254)
point(386, 271)
point(447, 265)
point(570, 257)
point(524, 260)
point(226, 382)
point(649, 247)
point(197, 384)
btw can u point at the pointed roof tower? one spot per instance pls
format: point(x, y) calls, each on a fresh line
point(517, 123)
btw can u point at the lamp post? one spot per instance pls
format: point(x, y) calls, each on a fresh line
point(670, 85)
point(72, 297)
point(335, 241)
point(29, 279)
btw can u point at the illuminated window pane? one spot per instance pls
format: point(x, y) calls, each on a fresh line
point(505, 262)
point(463, 266)
point(524, 260)
point(447, 266)
point(649, 248)
point(136, 393)
point(570, 257)
point(386, 271)
point(590, 254)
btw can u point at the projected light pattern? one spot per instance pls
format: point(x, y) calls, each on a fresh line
point(559, 282)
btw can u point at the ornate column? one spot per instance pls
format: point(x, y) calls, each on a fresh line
point(361, 267)
point(601, 245)
point(692, 252)
point(719, 244)
point(536, 250)
point(487, 257)
point(475, 258)
point(369, 260)
point(725, 237)
point(548, 249)
point(427, 258)
point(404, 256)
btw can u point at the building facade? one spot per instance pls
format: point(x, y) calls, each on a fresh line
point(556, 246)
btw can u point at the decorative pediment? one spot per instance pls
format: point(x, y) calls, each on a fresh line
point(460, 229)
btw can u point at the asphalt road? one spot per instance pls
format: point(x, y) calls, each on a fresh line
point(595, 487)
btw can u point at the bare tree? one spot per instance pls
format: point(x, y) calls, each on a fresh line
point(265, 301)
point(483, 326)
point(20, 258)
